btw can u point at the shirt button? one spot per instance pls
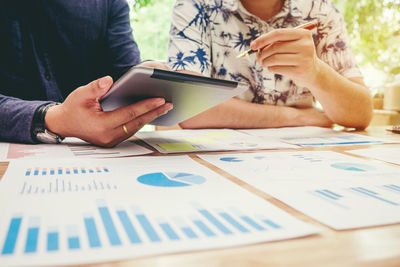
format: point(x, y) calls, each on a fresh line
point(47, 76)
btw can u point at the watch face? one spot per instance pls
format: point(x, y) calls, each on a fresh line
point(48, 137)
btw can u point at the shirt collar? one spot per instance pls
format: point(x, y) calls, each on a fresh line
point(289, 7)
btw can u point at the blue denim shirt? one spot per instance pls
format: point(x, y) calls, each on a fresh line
point(48, 48)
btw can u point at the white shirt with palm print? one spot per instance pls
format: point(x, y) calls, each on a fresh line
point(207, 35)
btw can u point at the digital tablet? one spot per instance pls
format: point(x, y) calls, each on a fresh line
point(190, 94)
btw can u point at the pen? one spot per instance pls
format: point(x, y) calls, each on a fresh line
point(307, 26)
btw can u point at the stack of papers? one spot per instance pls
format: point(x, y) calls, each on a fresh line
point(176, 141)
point(70, 148)
point(315, 136)
point(73, 212)
point(340, 191)
point(384, 153)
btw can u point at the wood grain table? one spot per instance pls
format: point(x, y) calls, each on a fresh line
point(374, 246)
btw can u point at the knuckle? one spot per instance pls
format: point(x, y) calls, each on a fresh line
point(140, 123)
point(132, 114)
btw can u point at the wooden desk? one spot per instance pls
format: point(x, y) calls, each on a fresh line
point(385, 117)
point(375, 246)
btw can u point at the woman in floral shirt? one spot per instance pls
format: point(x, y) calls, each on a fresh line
point(293, 68)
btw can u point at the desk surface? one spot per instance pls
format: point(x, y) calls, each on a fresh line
point(375, 246)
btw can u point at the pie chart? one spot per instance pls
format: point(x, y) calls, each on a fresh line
point(355, 167)
point(171, 179)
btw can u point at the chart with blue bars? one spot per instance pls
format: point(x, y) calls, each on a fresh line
point(32, 172)
point(65, 185)
point(116, 226)
point(382, 194)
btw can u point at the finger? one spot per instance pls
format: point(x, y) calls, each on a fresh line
point(128, 113)
point(96, 89)
point(155, 64)
point(278, 48)
point(279, 35)
point(288, 71)
point(136, 124)
point(281, 60)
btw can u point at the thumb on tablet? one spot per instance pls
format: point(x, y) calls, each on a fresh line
point(96, 89)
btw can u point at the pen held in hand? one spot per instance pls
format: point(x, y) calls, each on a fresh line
point(307, 26)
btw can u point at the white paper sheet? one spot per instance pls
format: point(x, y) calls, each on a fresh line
point(74, 212)
point(340, 191)
point(176, 141)
point(389, 154)
point(3, 150)
point(315, 136)
point(71, 147)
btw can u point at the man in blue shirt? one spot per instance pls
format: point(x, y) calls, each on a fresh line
point(50, 48)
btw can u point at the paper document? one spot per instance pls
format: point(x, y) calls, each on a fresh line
point(72, 212)
point(389, 154)
point(176, 141)
point(340, 191)
point(71, 147)
point(3, 150)
point(316, 136)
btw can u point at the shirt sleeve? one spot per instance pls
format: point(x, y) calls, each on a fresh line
point(333, 43)
point(16, 117)
point(190, 40)
point(123, 48)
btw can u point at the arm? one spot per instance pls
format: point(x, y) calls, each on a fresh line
point(330, 72)
point(80, 115)
point(239, 114)
point(291, 52)
point(16, 117)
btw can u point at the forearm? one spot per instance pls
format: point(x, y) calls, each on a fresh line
point(238, 114)
point(346, 101)
point(16, 119)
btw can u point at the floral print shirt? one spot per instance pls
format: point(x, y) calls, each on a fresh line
point(207, 35)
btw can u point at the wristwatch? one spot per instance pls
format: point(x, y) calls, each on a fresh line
point(39, 131)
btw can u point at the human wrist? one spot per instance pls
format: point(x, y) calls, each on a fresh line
point(54, 120)
point(39, 131)
point(319, 77)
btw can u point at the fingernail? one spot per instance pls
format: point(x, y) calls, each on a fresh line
point(169, 106)
point(160, 101)
point(252, 45)
point(104, 82)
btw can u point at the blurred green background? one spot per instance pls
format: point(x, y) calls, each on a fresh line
point(374, 28)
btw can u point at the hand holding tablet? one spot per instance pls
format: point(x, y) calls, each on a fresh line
point(190, 94)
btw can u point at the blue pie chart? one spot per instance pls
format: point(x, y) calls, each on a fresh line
point(355, 167)
point(171, 179)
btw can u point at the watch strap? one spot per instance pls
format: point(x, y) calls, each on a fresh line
point(39, 125)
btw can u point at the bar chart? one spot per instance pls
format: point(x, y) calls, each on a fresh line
point(40, 171)
point(65, 185)
point(134, 225)
point(360, 192)
point(130, 207)
point(340, 191)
